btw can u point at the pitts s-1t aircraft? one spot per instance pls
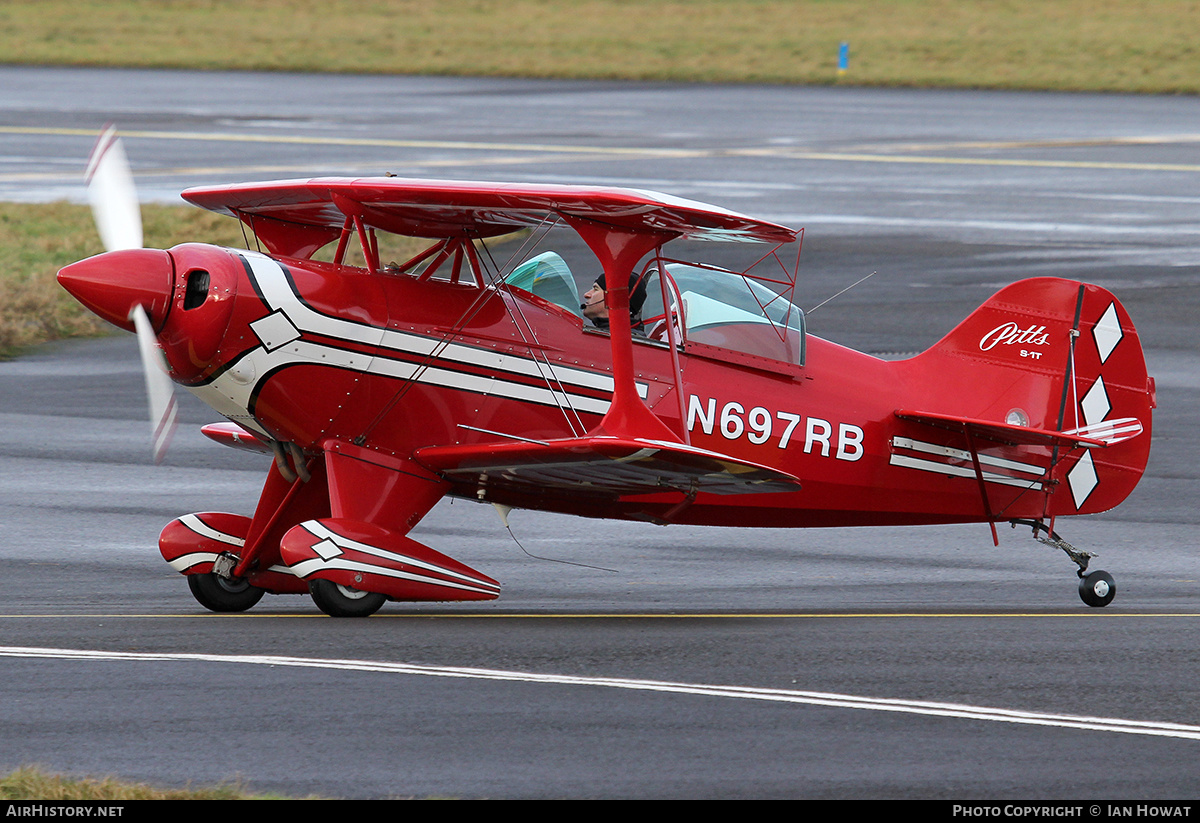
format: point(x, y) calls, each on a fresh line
point(381, 388)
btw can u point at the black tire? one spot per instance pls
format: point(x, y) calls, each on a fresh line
point(343, 601)
point(1097, 588)
point(217, 594)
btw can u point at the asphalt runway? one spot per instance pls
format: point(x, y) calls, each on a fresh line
point(627, 660)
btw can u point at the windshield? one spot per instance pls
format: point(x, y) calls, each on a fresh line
point(726, 309)
point(548, 277)
point(720, 307)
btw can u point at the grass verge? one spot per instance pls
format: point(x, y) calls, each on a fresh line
point(31, 783)
point(36, 240)
point(1092, 45)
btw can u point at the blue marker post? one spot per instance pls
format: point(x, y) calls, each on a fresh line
point(843, 57)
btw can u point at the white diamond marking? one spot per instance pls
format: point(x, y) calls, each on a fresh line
point(326, 549)
point(274, 330)
point(1095, 403)
point(1082, 479)
point(1107, 332)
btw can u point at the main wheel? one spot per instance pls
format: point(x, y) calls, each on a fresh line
point(343, 601)
point(1097, 588)
point(218, 594)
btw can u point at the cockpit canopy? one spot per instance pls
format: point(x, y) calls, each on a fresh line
point(730, 310)
point(548, 277)
point(720, 308)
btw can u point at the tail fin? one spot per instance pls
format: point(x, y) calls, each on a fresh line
point(1055, 356)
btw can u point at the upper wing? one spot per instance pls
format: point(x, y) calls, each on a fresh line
point(601, 466)
point(288, 214)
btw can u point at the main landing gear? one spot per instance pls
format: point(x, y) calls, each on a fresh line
point(219, 594)
point(218, 591)
point(1096, 588)
point(343, 601)
point(223, 594)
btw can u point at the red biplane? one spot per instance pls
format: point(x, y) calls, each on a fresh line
point(380, 388)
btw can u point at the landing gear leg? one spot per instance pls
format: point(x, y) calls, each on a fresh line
point(1096, 588)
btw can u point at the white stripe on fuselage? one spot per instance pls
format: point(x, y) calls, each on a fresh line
point(230, 393)
point(279, 294)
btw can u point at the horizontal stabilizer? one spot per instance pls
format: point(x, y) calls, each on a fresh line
point(1020, 435)
point(606, 467)
point(1109, 431)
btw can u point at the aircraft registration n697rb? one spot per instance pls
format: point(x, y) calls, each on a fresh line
point(380, 388)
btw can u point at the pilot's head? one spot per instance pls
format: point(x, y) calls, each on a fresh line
point(594, 308)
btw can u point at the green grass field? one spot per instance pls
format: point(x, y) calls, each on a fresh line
point(29, 783)
point(1095, 45)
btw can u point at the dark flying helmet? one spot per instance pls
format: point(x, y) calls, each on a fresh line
point(637, 293)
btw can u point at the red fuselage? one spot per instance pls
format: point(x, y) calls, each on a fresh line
point(307, 353)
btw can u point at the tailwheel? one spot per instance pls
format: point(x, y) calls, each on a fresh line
point(1097, 588)
point(342, 601)
point(220, 594)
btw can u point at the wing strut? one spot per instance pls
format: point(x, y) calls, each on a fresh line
point(987, 507)
point(618, 251)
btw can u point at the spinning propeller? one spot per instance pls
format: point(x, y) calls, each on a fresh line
point(112, 194)
point(129, 286)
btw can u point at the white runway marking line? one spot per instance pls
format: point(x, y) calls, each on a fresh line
point(844, 701)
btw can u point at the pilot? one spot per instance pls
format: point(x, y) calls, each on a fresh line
point(596, 310)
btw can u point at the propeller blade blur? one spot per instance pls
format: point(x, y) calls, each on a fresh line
point(112, 194)
point(164, 411)
point(118, 217)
